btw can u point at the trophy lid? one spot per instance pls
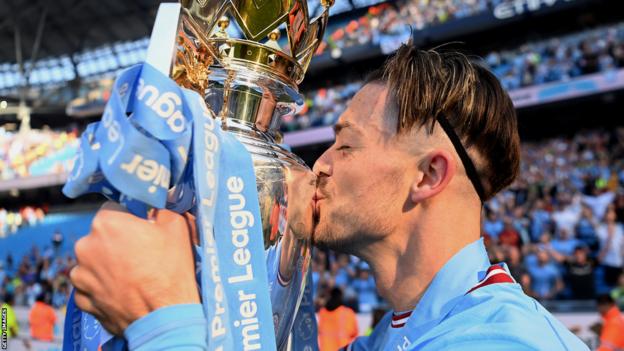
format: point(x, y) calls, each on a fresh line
point(259, 23)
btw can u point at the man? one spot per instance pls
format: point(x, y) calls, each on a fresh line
point(580, 274)
point(546, 279)
point(337, 323)
point(42, 319)
point(417, 151)
point(611, 335)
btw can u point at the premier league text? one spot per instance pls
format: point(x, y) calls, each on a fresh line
point(240, 220)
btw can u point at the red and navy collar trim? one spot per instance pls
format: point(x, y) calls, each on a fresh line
point(399, 319)
point(494, 275)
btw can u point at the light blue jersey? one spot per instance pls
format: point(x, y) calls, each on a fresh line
point(471, 305)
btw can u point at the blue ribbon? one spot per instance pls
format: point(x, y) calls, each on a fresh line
point(305, 331)
point(143, 147)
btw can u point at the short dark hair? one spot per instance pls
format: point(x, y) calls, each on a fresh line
point(605, 299)
point(427, 84)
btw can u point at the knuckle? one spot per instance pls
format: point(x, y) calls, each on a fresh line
point(83, 302)
point(98, 222)
point(73, 277)
point(81, 248)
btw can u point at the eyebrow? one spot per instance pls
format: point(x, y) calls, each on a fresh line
point(338, 127)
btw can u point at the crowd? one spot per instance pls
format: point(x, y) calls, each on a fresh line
point(561, 59)
point(11, 221)
point(39, 274)
point(558, 227)
point(37, 152)
point(388, 19)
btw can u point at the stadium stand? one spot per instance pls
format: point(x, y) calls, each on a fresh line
point(563, 67)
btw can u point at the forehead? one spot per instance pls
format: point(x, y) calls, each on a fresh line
point(369, 110)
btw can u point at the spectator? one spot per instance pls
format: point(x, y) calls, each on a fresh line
point(618, 292)
point(586, 229)
point(567, 215)
point(599, 201)
point(546, 280)
point(565, 244)
point(517, 269)
point(342, 272)
point(364, 287)
point(509, 236)
point(42, 319)
point(337, 324)
point(611, 336)
point(57, 241)
point(611, 238)
point(493, 225)
point(580, 277)
point(540, 219)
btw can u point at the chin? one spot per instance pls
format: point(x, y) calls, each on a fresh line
point(327, 236)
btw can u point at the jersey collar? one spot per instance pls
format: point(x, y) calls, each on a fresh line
point(451, 283)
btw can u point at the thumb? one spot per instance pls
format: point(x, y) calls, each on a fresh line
point(171, 220)
point(178, 224)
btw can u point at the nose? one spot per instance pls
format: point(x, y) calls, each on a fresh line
point(322, 167)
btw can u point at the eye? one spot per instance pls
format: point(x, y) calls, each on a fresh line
point(343, 147)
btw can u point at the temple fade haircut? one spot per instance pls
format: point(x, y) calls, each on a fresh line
point(431, 85)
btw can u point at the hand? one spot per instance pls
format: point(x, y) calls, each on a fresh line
point(128, 266)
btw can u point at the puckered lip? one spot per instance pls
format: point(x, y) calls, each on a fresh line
point(318, 196)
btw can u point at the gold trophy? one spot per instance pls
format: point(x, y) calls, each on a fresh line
point(249, 81)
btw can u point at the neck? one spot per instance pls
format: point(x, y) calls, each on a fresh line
point(406, 261)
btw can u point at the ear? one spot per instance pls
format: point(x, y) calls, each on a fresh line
point(436, 169)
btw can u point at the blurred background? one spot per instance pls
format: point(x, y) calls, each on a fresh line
point(558, 227)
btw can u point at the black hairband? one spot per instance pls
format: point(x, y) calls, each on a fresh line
point(471, 171)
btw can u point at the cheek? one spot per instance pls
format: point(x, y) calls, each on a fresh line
point(370, 185)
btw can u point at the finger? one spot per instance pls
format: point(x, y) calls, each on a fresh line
point(84, 303)
point(82, 279)
point(81, 249)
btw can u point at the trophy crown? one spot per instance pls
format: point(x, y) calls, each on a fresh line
point(260, 23)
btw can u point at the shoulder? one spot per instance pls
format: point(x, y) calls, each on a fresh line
point(346, 311)
point(502, 315)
